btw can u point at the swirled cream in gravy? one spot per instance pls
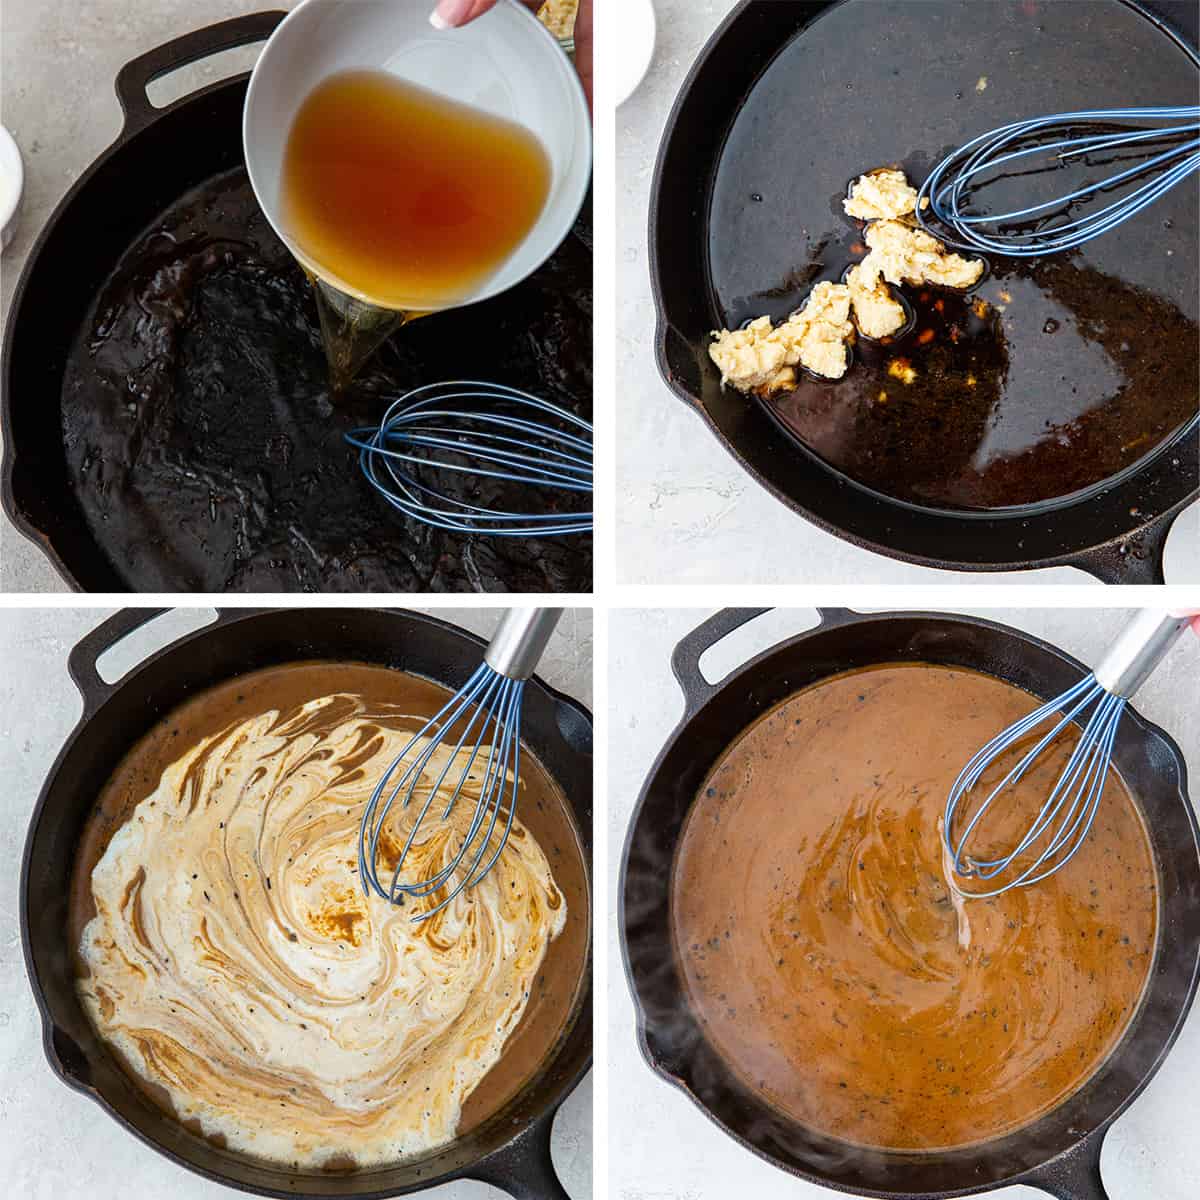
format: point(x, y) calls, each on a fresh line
point(229, 956)
point(826, 957)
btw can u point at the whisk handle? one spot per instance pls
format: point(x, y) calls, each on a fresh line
point(1141, 646)
point(518, 644)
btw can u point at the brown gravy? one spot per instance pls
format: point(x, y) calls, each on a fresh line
point(820, 946)
point(544, 812)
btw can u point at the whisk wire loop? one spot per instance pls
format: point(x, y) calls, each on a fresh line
point(949, 186)
point(486, 751)
point(476, 733)
point(488, 431)
point(1072, 803)
point(477, 722)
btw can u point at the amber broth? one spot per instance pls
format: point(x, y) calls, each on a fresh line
point(405, 197)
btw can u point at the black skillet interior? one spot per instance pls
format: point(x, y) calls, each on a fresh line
point(510, 1150)
point(788, 102)
point(168, 423)
point(1060, 1152)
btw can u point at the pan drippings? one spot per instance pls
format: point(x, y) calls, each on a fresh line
point(206, 453)
point(1077, 366)
point(231, 959)
point(822, 949)
point(1046, 380)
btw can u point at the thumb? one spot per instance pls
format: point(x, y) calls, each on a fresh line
point(451, 13)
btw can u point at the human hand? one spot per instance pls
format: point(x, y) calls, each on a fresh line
point(452, 13)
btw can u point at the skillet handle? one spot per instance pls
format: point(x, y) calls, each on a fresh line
point(524, 1168)
point(1136, 559)
point(685, 660)
point(134, 76)
point(1074, 1175)
point(81, 662)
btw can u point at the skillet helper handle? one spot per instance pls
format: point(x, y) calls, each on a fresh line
point(1137, 559)
point(524, 1169)
point(685, 661)
point(1074, 1175)
point(81, 661)
point(135, 76)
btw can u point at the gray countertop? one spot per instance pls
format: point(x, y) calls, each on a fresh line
point(686, 512)
point(661, 1146)
point(54, 1142)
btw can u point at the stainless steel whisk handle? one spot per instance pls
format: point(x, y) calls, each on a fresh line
point(517, 646)
point(1141, 646)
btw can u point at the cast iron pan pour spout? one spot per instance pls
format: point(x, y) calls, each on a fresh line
point(238, 640)
point(1060, 1152)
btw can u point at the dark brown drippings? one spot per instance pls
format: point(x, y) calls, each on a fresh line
point(206, 451)
point(1093, 362)
point(543, 810)
point(820, 946)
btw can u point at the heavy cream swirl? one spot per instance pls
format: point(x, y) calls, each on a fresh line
point(234, 961)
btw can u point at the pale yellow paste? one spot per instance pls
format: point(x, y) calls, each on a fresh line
point(902, 254)
point(762, 356)
point(881, 195)
point(877, 313)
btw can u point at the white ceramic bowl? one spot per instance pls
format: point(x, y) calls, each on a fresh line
point(505, 63)
point(12, 185)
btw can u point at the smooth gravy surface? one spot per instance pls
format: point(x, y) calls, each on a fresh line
point(821, 949)
point(542, 809)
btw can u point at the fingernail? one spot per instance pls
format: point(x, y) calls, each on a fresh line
point(450, 13)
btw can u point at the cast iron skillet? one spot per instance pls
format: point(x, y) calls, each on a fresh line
point(1059, 1153)
point(159, 148)
point(160, 158)
point(1117, 535)
point(511, 1150)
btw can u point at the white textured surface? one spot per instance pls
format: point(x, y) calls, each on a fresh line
point(686, 511)
point(661, 1147)
point(54, 1143)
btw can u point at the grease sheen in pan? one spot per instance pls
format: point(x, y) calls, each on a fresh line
point(1091, 365)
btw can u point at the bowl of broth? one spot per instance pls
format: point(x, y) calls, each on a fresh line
point(411, 168)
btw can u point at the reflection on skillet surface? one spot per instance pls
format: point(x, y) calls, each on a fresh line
point(1075, 367)
point(207, 453)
